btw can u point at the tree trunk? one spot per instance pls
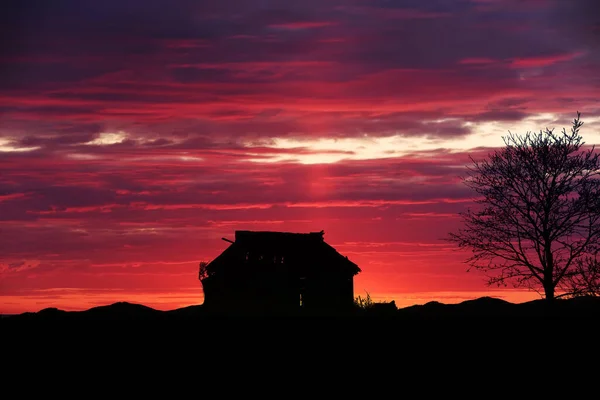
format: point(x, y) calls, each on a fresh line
point(548, 271)
point(549, 292)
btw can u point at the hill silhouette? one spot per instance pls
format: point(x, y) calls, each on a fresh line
point(484, 307)
point(432, 332)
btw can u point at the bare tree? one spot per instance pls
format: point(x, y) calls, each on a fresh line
point(585, 278)
point(539, 215)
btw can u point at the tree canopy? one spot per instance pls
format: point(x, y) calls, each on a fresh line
point(537, 220)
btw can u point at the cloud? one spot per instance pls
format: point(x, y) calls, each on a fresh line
point(301, 25)
point(543, 61)
point(18, 266)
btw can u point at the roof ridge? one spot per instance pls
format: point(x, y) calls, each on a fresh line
point(245, 234)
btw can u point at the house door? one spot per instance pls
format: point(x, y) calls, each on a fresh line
point(302, 289)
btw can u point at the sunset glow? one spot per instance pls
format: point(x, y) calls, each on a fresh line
point(135, 135)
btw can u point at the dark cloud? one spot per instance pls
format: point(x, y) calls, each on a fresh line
point(500, 115)
point(50, 110)
point(33, 141)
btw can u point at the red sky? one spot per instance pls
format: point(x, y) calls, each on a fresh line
point(135, 134)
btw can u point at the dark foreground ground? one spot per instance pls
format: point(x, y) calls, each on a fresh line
point(485, 307)
point(482, 309)
point(486, 337)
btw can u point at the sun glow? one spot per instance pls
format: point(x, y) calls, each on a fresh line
point(483, 134)
point(8, 146)
point(108, 138)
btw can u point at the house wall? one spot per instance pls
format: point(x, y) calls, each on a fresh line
point(279, 289)
point(329, 292)
point(251, 292)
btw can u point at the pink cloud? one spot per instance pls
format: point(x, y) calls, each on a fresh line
point(543, 61)
point(477, 61)
point(302, 25)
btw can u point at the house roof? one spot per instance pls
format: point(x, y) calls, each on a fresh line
point(296, 249)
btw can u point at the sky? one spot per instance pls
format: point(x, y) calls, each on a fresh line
point(135, 134)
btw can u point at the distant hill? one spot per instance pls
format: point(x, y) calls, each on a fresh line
point(116, 311)
point(121, 310)
point(489, 307)
point(482, 307)
point(485, 307)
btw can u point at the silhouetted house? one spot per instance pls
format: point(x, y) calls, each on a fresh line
point(279, 271)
